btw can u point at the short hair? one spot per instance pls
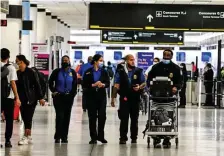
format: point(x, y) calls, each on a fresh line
point(192, 62)
point(209, 65)
point(90, 58)
point(128, 56)
point(108, 63)
point(65, 56)
point(156, 58)
point(169, 50)
point(5, 54)
point(96, 57)
point(23, 58)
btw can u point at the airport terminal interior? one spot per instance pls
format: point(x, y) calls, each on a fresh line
point(46, 30)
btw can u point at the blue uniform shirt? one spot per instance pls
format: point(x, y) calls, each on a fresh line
point(96, 74)
point(64, 81)
point(130, 74)
point(84, 68)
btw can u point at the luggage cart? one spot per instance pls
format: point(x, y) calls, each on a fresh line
point(161, 98)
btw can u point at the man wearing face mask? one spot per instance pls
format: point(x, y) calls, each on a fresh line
point(129, 81)
point(63, 85)
point(166, 68)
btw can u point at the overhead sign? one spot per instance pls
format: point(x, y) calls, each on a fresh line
point(41, 62)
point(144, 37)
point(117, 36)
point(39, 48)
point(156, 17)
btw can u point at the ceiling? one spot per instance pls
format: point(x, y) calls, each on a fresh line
point(74, 12)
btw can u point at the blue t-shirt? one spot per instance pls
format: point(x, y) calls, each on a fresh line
point(130, 74)
point(84, 68)
point(64, 81)
point(96, 74)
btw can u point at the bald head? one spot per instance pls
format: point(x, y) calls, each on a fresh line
point(90, 58)
point(130, 61)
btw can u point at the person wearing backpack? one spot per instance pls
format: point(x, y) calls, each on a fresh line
point(63, 85)
point(9, 94)
point(30, 91)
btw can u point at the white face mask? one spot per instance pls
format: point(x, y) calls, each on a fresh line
point(155, 63)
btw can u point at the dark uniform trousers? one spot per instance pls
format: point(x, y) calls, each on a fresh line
point(96, 106)
point(129, 107)
point(183, 96)
point(7, 106)
point(208, 89)
point(63, 107)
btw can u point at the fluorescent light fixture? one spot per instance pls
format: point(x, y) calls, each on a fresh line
point(147, 1)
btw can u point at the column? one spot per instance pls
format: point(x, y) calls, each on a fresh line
point(33, 17)
point(49, 25)
point(25, 42)
point(41, 25)
point(10, 35)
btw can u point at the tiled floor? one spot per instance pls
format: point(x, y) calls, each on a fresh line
point(201, 133)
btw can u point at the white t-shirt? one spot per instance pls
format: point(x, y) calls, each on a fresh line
point(11, 77)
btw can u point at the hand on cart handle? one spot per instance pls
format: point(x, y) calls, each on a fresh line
point(174, 90)
point(136, 87)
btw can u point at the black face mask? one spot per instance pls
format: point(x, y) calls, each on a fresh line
point(130, 66)
point(65, 65)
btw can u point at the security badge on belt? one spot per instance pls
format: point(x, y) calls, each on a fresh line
point(171, 75)
point(70, 74)
point(135, 77)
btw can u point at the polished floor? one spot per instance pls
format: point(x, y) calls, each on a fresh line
point(201, 133)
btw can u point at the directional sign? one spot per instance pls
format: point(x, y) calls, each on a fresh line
point(156, 17)
point(143, 37)
point(117, 36)
point(158, 37)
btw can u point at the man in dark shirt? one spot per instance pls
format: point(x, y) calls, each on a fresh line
point(166, 68)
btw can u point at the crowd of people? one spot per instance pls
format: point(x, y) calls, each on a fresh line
point(24, 89)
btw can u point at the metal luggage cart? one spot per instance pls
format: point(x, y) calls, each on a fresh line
point(168, 103)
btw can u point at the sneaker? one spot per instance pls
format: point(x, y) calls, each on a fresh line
point(8, 144)
point(30, 140)
point(24, 141)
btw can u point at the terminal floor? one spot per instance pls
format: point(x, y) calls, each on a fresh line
point(201, 133)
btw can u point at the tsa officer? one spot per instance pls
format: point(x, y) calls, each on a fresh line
point(166, 68)
point(63, 85)
point(129, 82)
point(95, 82)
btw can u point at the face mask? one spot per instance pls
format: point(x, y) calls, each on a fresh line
point(155, 63)
point(100, 64)
point(65, 65)
point(166, 61)
point(181, 67)
point(130, 66)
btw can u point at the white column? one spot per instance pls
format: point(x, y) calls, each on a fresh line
point(10, 34)
point(41, 26)
point(49, 25)
point(33, 17)
point(25, 43)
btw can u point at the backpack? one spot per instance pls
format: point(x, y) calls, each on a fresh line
point(110, 71)
point(5, 84)
point(160, 116)
point(42, 80)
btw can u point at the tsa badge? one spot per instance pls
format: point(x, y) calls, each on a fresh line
point(171, 75)
point(135, 77)
point(70, 74)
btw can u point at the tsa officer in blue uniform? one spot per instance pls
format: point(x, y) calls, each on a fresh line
point(129, 82)
point(95, 81)
point(63, 85)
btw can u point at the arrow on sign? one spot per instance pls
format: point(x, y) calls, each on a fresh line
point(105, 36)
point(180, 38)
point(135, 36)
point(150, 17)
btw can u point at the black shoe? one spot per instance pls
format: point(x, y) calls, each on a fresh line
point(64, 141)
point(181, 106)
point(8, 144)
point(93, 142)
point(57, 141)
point(104, 141)
point(134, 141)
point(84, 110)
point(122, 142)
